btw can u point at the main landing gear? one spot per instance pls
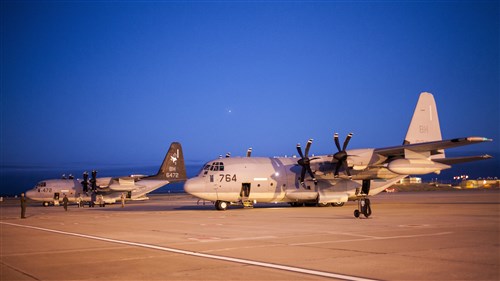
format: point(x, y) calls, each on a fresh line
point(221, 205)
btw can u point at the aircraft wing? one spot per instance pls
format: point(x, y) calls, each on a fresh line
point(124, 184)
point(433, 147)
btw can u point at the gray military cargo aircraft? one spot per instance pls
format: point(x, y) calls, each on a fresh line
point(109, 189)
point(347, 175)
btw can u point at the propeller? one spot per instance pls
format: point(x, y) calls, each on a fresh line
point(341, 155)
point(305, 162)
point(93, 180)
point(85, 182)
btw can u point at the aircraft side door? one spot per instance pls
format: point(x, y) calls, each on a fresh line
point(245, 190)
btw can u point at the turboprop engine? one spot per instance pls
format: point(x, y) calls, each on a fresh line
point(415, 166)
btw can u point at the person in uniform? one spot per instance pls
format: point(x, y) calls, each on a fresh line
point(123, 200)
point(65, 202)
point(23, 206)
point(93, 199)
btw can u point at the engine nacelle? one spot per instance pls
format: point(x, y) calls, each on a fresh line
point(359, 159)
point(415, 166)
point(302, 195)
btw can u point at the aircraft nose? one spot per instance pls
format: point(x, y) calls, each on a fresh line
point(30, 193)
point(194, 186)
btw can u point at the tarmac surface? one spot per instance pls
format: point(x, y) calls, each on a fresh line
point(439, 235)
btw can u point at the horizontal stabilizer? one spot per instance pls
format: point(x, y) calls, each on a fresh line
point(433, 146)
point(458, 160)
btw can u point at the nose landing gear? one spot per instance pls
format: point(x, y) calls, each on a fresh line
point(363, 208)
point(363, 202)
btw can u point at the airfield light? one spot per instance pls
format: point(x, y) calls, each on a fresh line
point(461, 177)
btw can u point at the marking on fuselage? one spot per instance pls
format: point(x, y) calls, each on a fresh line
point(201, 255)
point(260, 179)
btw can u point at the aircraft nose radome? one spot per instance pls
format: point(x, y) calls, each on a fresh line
point(193, 186)
point(30, 193)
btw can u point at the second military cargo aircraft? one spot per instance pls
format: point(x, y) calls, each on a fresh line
point(109, 189)
point(347, 175)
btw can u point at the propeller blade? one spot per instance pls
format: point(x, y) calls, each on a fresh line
point(302, 175)
point(347, 169)
point(299, 150)
point(308, 146)
point(310, 173)
point(337, 143)
point(346, 142)
point(337, 168)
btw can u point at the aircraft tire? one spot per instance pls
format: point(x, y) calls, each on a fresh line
point(337, 204)
point(323, 204)
point(356, 213)
point(45, 204)
point(221, 205)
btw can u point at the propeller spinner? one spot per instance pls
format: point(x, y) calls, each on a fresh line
point(341, 155)
point(305, 162)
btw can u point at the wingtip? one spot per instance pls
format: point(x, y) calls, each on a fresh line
point(479, 139)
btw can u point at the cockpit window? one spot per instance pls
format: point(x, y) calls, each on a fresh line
point(217, 166)
point(205, 169)
point(41, 184)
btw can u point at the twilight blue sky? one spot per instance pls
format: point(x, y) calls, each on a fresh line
point(115, 82)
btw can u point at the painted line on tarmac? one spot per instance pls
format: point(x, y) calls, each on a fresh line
point(202, 255)
point(371, 238)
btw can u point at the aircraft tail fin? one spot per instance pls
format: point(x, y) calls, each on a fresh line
point(424, 125)
point(173, 168)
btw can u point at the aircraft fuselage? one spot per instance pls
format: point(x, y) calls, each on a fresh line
point(262, 179)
